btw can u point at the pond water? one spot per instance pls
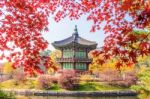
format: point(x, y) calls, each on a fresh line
point(65, 97)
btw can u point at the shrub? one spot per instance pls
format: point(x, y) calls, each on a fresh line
point(4, 77)
point(109, 75)
point(68, 80)
point(55, 87)
point(129, 79)
point(114, 77)
point(46, 81)
point(19, 76)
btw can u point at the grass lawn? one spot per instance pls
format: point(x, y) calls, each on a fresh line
point(12, 84)
point(27, 84)
point(97, 86)
point(84, 86)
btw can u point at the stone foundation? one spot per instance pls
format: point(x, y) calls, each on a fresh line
point(70, 93)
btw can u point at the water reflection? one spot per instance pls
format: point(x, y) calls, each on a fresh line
point(63, 97)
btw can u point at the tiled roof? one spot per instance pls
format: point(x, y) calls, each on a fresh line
point(75, 38)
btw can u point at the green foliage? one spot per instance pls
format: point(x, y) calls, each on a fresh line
point(143, 86)
point(55, 87)
point(138, 32)
point(45, 53)
point(3, 95)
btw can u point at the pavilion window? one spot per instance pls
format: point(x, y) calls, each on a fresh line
point(68, 54)
point(81, 66)
point(80, 54)
point(67, 65)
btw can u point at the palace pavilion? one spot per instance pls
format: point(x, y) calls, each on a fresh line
point(74, 51)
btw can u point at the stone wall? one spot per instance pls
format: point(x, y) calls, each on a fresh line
point(70, 93)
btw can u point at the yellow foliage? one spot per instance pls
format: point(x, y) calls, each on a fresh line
point(50, 71)
point(110, 64)
point(142, 58)
point(85, 77)
point(95, 67)
point(136, 45)
point(11, 84)
point(54, 55)
point(7, 69)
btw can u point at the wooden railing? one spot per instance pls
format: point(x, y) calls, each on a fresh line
point(73, 60)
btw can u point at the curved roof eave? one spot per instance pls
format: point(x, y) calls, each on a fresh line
point(71, 43)
point(75, 38)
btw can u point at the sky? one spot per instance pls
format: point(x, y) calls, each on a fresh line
point(65, 28)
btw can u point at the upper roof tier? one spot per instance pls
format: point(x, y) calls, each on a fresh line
point(75, 38)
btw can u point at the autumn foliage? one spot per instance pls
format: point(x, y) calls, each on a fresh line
point(22, 22)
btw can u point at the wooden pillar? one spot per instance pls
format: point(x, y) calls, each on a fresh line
point(86, 53)
point(87, 65)
point(74, 64)
point(62, 57)
point(73, 56)
point(62, 53)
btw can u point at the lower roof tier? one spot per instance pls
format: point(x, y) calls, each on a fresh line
point(74, 45)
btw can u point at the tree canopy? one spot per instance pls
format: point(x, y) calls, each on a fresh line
point(22, 21)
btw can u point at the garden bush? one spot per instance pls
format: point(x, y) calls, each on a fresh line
point(114, 77)
point(68, 80)
point(19, 75)
point(4, 77)
point(46, 81)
